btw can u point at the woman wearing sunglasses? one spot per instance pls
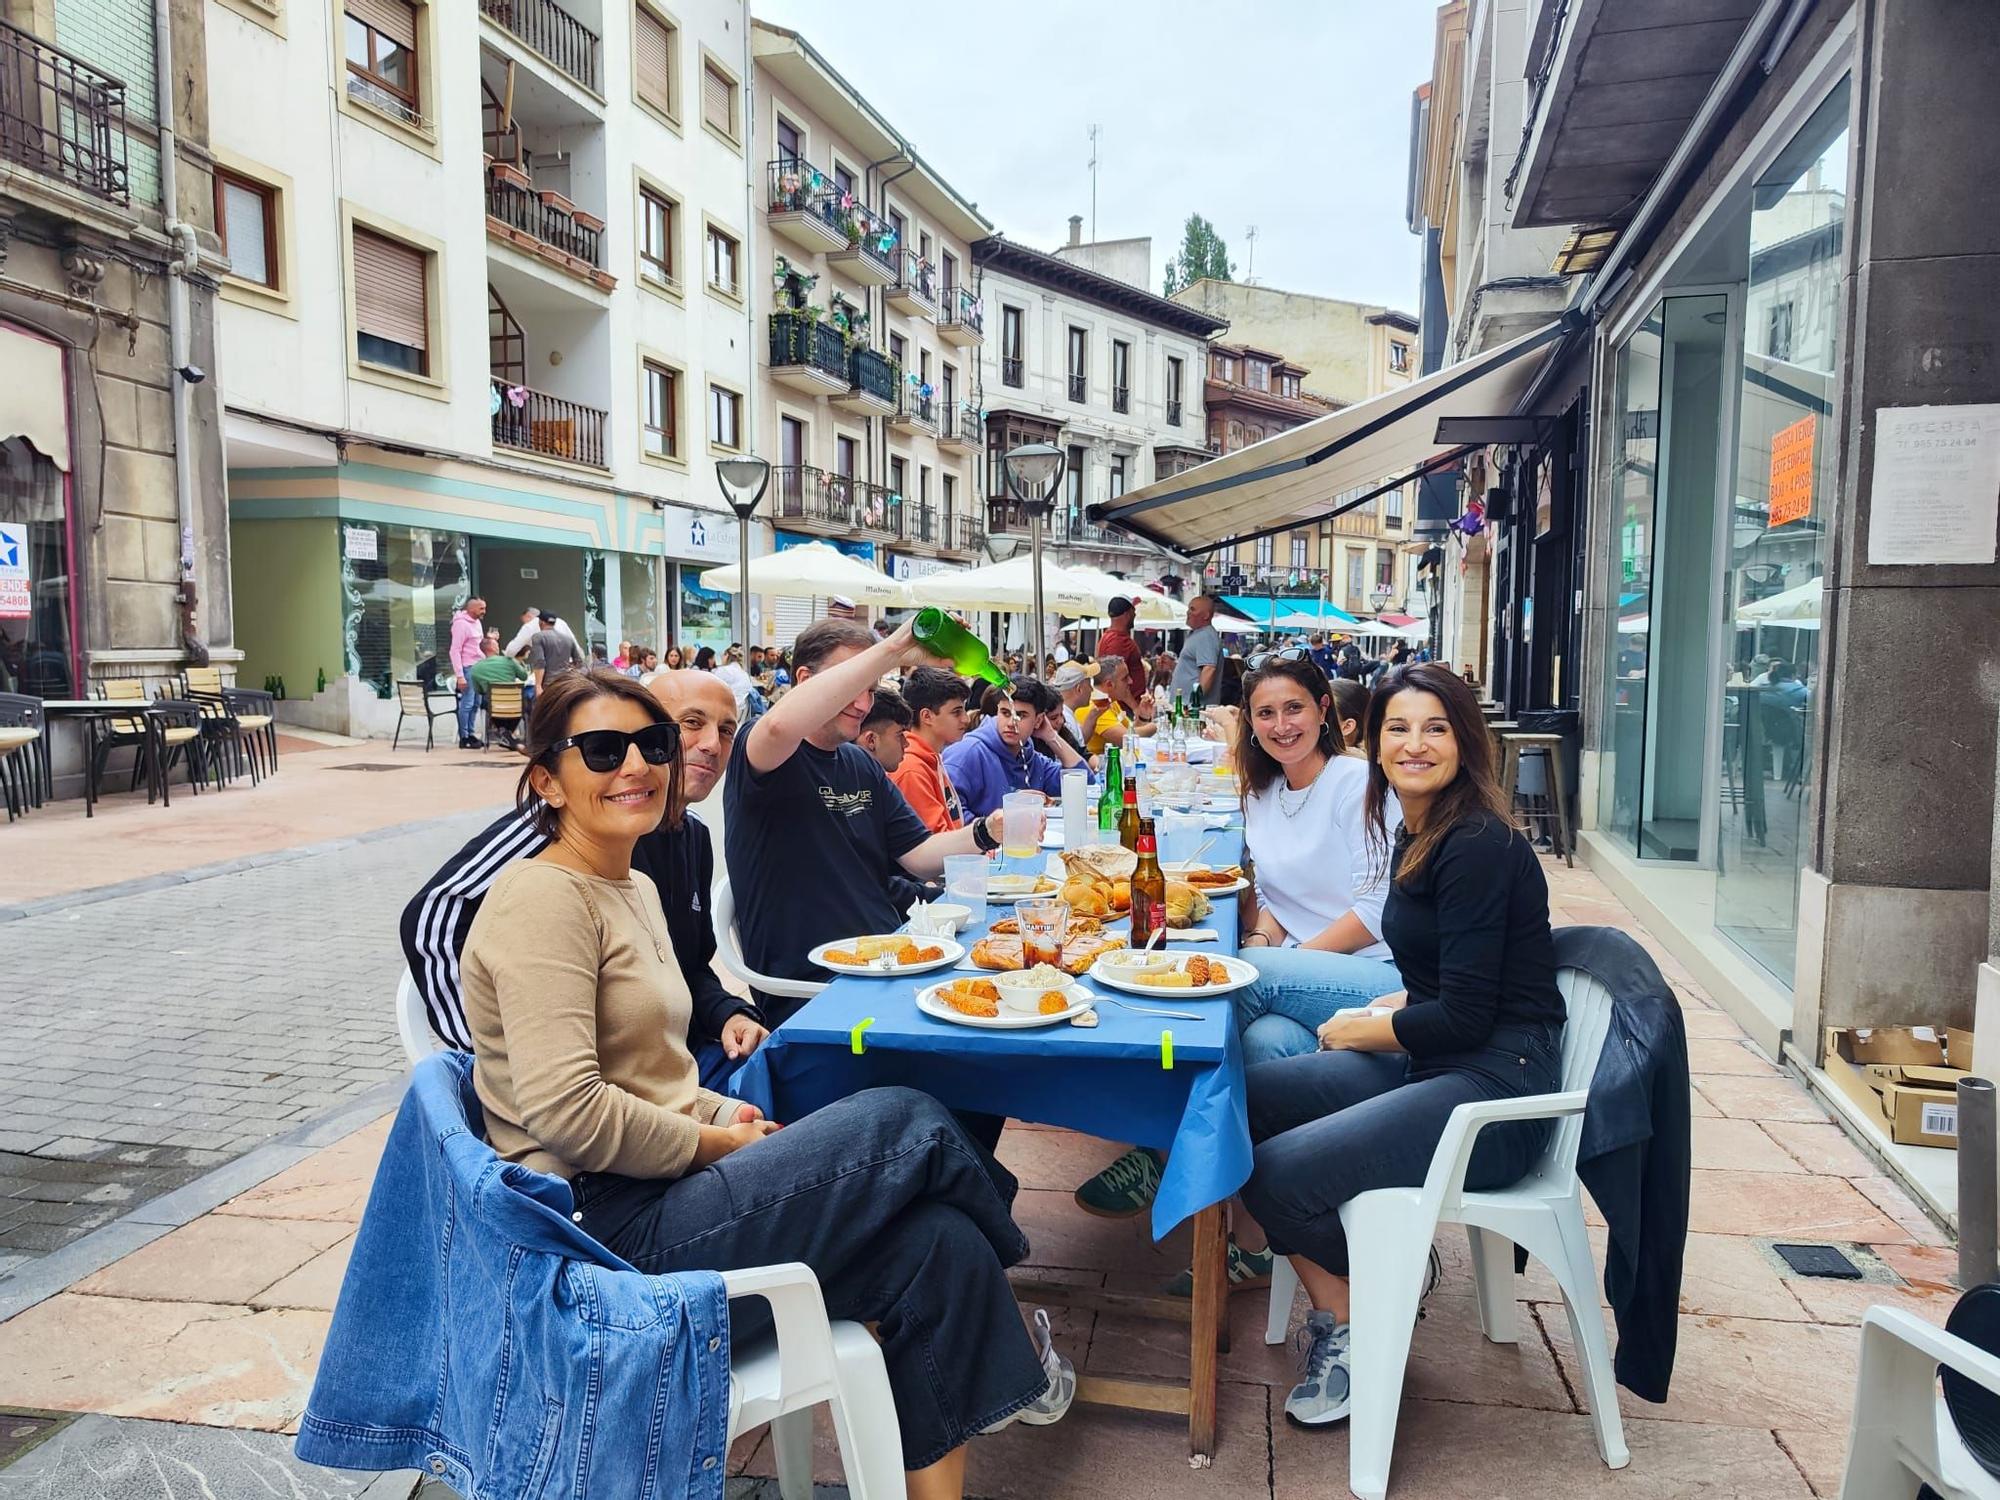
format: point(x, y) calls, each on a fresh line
point(579, 1018)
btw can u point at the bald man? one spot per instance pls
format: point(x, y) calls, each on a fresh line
point(678, 856)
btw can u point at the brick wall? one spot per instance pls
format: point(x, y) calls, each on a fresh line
point(116, 36)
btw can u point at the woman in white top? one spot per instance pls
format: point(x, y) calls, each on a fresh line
point(1317, 942)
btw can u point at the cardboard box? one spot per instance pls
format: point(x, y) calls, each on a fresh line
point(1903, 1078)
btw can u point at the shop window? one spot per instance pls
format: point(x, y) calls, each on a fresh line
point(37, 642)
point(399, 585)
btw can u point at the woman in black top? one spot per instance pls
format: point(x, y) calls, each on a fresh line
point(1467, 920)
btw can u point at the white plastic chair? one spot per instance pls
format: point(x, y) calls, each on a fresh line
point(1903, 1433)
point(1390, 1230)
point(729, 948)
point(412, 1024)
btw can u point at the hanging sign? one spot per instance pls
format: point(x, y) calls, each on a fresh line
point(1792, 471)
point(15, 603)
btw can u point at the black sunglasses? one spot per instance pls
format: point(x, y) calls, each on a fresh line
point(1263, 659)
point(604, 749)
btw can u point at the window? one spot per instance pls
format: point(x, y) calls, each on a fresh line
point(382, 57)
point(391, 303)
point(901, 226)
point(1118, 463)
point(1010, 346)
point(725, 418)
point(662, 436)
point(791, 446)
point(948, 388)
point(246, 214)
point(1260, 375)
point(656, 238)
point(950, 269)
point(1778, 335)
point(1392, 510)
point(1079, 353)
point(1121, 375)
point(1225, 368)
point(843, 178)
point(1357, 566)
point(1173, 392)
point(950, 500)
point(923, 244)
point(843, 457)
point(1385, 568)
point(653, 54)
point(1298, 550)
point(718, 100)
point(1399, 356)
point(899, 475)
point(1075, 480)
point(899, 349)
point(722, 255)
point(791, 144)
point(1266, 551)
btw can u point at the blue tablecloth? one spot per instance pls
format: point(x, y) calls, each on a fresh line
point(1106, 1081)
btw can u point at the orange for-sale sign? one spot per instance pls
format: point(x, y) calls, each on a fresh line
point(1792, 471)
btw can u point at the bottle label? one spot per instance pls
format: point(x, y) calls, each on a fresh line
point(1148, 844)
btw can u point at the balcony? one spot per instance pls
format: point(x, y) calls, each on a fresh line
point(878, 511)
point(803, 206)
point(530, 421)
point(808, 355)
point(869, 250)
point(544, 224)
point(1077, 388)
point(963, 533)
point(61, 117)
point(874, 384)
point(962, 317)
point(1170, 459)
point(923, 526)
point(1011, 371)
point(1174, 412)
point(551, 33)
point(1121, 398)
point(812, 499)
point(915, 413)
point(915, 288)
point(958, 427)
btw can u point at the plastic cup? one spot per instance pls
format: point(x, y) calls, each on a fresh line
point(965, 884)
point(1076, 809)
point(1180, 836)
point(1022, 816)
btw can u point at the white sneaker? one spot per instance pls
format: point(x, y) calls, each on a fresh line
point(1055, 1399)
point(1324, 1392)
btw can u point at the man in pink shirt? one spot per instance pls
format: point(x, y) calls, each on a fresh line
point(466, 648)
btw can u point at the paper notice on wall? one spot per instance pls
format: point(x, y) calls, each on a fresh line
point(15, 591)
point(1792, 471)
point(1935, 495)
point(363, 543)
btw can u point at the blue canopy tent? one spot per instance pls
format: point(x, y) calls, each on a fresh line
point(1264, 611)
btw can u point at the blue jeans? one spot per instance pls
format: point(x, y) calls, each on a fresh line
point(1297, 989)
point(468, 710)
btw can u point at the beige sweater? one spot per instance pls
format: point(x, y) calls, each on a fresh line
point(579, 1019)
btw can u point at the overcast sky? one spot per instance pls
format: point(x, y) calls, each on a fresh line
point(1292, 115)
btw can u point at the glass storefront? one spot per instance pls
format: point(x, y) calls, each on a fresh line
point(399, 587)
point(37, 646)
point(1721, 445)
point(620, 599)
point(705, 613)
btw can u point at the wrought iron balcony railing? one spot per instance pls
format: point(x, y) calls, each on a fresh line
point(536, 422)
point(546, 28)
point(543, 216)
point(61, 117)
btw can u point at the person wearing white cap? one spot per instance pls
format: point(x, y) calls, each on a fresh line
point(1071, 683)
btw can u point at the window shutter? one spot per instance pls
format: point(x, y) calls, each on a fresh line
point(244, 214)
point(715, 100)
point(389, 295)
point(395, 19)
point(654, 51)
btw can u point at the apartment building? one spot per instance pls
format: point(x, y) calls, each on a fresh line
point(114, 557)
point(487, 325)
point(1098, 366)
point(867, 358)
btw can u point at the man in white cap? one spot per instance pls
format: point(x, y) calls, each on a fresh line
point(1071, 683)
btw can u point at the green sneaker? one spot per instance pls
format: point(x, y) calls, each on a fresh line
point(1248, 1269)
point(1124, 1189)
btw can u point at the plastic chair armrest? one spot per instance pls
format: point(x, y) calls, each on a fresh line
point(1932, 1342)
point(1446, 1178)
point(806, 1360)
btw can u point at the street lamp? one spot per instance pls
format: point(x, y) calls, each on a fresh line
point(1380, 596)
point(1034, 472)
point(743, 481)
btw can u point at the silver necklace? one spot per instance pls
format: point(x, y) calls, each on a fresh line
point(638, 909)
point(1293, 809)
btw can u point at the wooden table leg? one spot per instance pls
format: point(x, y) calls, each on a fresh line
point(1210, 1267)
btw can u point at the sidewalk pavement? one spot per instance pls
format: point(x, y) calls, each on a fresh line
point(209, 1334)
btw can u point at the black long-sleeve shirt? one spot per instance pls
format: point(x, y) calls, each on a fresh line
point(1470, 936)
point(679, 861)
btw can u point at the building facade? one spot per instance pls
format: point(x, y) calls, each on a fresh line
point(1098, 366)
point(868, 360)
point(487, 325)
point(114, 551)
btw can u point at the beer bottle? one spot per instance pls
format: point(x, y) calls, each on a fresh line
point(1113, 800)
point(944, 636)
point(1149, 889)
point(1128, 817)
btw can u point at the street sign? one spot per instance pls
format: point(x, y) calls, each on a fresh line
point(15, 584)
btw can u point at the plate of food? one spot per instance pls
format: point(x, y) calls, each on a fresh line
point(887, 955)
point(1019, 887)
point(1002, 953)
point(1210, 880)
point(1042, 996)
point(1191, 976)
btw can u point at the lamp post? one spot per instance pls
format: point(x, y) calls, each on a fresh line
point(1380, 596)
point(743, 481)
point(1034, 472)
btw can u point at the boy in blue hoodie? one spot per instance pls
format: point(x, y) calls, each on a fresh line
point(1014, 749)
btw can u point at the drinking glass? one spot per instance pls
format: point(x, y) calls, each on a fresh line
point(1042, 926)
point(1077, 813)
point(1180, 837)
point(1022, 815)
point(965, 883)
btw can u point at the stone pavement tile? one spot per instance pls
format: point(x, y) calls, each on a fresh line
point(1888, 1195)
point(1820, 1456)
point(1760, 1098)
point(1061, 1234)
point(1844, 1302)
point(1710, 1055)
point(1921, 1265)
point(1822, 1149)
point(1744, 1372)
point(122, 1459)
point(1742, 1146)
point(1710, 1023)
point(1447, 1451)
point(217, 1258)
point(171, 1361)
point(1700, 1108)
point(1786, 1206)
point(330, 1184)
point(1724, 1275)
point(1054, 1160)
point(316, 1284)
point(1158, 1349)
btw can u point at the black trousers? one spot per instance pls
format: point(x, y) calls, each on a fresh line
point(1328, 1125)
point(904, 1220)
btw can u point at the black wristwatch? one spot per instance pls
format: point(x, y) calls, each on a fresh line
point(982, 838)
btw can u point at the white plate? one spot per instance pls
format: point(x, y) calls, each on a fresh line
point(1007, 897)
point(1080, 1000)
point(1241, 975)
point(1213, 891)
point(953, 952)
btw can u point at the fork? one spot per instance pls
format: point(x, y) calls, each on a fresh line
point(1171, 1015)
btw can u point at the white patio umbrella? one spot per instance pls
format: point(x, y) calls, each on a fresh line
point(1231, 625)
point(1797, 606)
point(813, 570)
point(1009, 587)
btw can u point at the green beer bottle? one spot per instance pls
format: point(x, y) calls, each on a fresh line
point(944, 636)
point(1113, 800)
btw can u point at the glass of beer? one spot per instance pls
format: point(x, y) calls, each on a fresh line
point(1042, 926)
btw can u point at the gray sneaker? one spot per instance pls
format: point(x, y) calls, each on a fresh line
point(1323, 1394)
point(1053, 1403)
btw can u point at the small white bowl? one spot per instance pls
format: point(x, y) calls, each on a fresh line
point(961, 916)
point(1021, 995)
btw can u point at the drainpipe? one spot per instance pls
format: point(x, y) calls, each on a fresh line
point(187, 258)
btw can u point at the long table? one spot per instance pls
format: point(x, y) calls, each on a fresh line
point(1173, 1085)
